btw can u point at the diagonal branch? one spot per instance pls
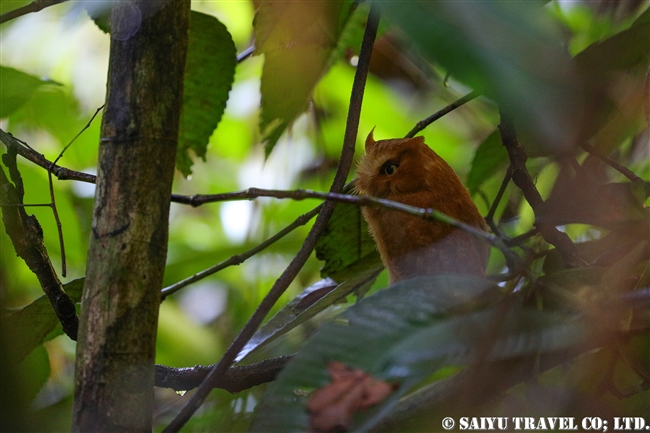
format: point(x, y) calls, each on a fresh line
point(240, 258)
point(438, 114)
point(522, 179)
point(27, 238)
point(615, 165)
point(345, 163)
point(35, 6)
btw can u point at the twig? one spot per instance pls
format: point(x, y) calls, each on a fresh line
point(59, 227)
point(615, 165)
point(522, 237)
point(298, 261)
point(489, 218)
point(245, 54)
point(235, 379)
point(240, 258)
point(30, 154)
point(438, 114)
point(361, 200)
point(35, 6)
point(522, 179)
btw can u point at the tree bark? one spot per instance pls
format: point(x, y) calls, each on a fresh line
point(114, 372)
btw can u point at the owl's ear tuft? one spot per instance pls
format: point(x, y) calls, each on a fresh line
point(419, 138)
point(370, 141)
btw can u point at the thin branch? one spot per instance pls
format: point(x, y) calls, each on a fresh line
point(30, 154)
point(299, 260)
point(35, 6)
point(489, 218)
point(26, 236)
point(522, 179)
point(522, 237)
point(360, 200)
point(438, 114)
point(59, 226)
point(245, 54)
point(615, 165)
point(55, 211)
point(235, 379)
point(241, 258)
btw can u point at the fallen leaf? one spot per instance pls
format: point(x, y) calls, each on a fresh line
point(331, 407)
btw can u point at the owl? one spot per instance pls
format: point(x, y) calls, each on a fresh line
point(408, 171)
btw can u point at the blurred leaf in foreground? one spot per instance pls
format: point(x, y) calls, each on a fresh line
point(297, 39)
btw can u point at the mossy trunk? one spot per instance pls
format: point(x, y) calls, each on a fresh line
point(128, 243)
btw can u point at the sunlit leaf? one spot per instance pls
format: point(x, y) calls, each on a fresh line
point(36, 323)
point(209, 73)
point(297, 39)
point(16, 88)
point(490, 156)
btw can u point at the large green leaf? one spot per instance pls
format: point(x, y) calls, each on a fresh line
point(37, 323)
point(510, 51)
point(297, 39)
point(16, 88)
point(366, 337)
point(209, 74)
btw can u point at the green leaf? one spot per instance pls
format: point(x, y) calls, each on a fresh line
point(16, 88)
point(36, 323)
point(297, 40)
point(209, 74)
point(362, 337)
point(509, 51)
point(490, 156)
point(346, 246)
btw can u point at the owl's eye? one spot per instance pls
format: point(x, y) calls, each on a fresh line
point(389, 168)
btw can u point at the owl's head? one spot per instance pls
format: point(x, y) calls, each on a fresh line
point(398, 166)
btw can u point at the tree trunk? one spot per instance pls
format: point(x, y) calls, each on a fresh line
point(128, 243)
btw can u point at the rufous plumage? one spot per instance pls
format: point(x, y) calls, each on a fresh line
point(408, 171)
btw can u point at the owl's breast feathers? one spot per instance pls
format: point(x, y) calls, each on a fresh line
point(408, 171)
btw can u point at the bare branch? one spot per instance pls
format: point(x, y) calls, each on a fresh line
point(241, 258)
point(489, 218)
point(27, 238)
point(235, 379)
point(30, 154)
point(438, 114)
point(299, 260)
point(360, 200)
point(522, 179)
point(615, 165)
point(35, 6)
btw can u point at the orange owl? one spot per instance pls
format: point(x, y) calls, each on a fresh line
point(408, 171)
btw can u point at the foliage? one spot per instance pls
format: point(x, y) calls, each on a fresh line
point(572, 79)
